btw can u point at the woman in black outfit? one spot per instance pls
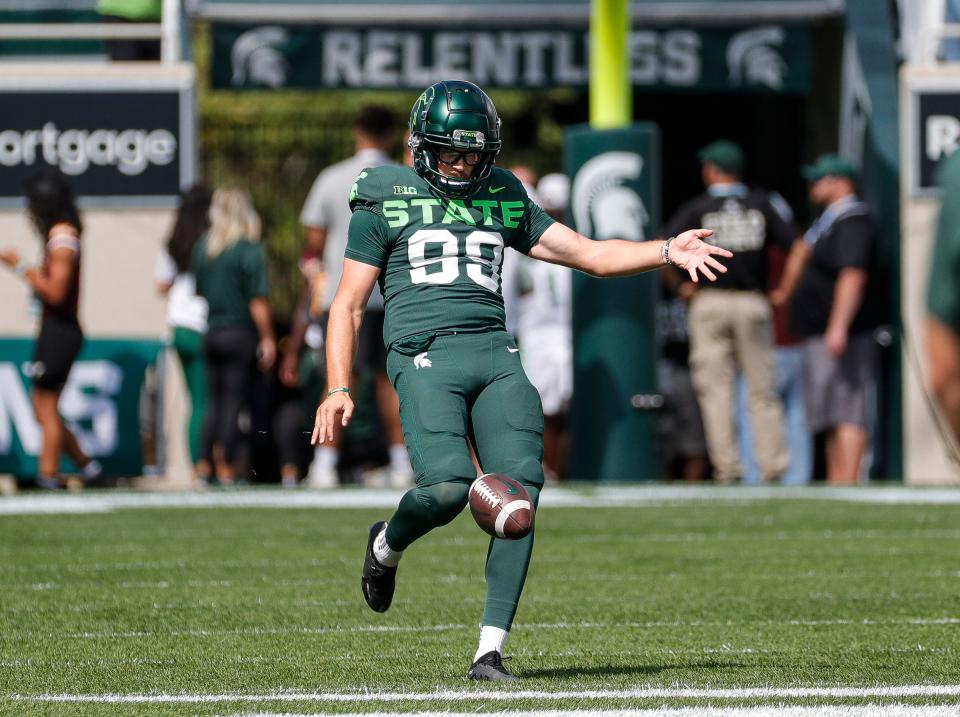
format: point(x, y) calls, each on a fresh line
point(230, 268)
point(56, 283)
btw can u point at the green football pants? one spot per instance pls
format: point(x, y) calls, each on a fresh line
point(468, 386)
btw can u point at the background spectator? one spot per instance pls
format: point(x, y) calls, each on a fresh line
point(56, 283)
point(730, 321)
point(511, 261)
point(326, 218)
point(279, 421)
point(943, 300)
point(231, 275)
point(544, 328)
point(788, 350)
point(834, 308)
point(126, 11)
point(187, 312)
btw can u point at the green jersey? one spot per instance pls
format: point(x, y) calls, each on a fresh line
point(439, 258)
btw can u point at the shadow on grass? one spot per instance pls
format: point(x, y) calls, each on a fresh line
point(629, 670)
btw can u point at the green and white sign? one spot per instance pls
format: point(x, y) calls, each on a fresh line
point(770, 58)
point(100, 404)
point(614, 194)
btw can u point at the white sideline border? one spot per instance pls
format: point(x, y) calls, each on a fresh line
point(395, 629)
point(875, 710)
point(480, 695)
point(779, 711)
point(553, 496)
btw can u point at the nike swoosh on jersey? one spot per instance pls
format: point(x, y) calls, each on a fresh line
point(513, 351)
point(494, 190)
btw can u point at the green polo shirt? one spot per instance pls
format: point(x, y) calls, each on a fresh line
point(229, 281)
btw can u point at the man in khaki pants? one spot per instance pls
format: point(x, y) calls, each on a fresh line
point(731, 324)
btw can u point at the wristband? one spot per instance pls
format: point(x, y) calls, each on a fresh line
point(665, 251)
point(338, 389)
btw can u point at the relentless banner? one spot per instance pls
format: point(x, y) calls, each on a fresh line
point(766, 59)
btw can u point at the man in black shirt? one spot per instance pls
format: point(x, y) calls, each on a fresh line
point(731, 324)
point(833, 308)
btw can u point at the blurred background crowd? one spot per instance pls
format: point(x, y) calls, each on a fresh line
point(788, 370)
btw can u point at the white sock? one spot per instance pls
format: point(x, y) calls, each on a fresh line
point(492, 639)
point(325, 458)
point(399, 457)
point(384, 554)
point(93, 469)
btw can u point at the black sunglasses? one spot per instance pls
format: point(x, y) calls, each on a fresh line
point(449, 156)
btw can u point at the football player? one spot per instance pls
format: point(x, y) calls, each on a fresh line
point(433, 236)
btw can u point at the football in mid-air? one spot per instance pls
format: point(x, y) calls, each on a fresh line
point(501, 506)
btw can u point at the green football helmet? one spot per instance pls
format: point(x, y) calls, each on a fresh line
point(454, 115)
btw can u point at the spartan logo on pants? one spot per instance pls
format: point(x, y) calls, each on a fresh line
point(421, 361)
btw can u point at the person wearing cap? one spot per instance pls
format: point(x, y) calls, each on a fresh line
point(326, 217)
point(730, 323)
point(833, 308)
point(943, 300)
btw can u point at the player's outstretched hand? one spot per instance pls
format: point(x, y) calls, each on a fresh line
point(337, 404)
point(689, 252)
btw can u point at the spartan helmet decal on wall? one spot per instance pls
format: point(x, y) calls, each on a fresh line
point(456, 115)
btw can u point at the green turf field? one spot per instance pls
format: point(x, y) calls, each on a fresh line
point(186, 608)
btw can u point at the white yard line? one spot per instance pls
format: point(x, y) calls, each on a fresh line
point(47, 665)
point(520, 627)
point(505, 695)
point(580, 496)
point(779, 711)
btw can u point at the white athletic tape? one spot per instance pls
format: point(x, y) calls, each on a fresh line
point(506, 511)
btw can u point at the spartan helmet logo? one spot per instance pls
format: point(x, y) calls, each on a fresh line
point(753, 60)
point(603, 205)
point(256, 60)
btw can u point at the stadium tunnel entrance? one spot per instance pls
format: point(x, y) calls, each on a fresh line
point(772, 131)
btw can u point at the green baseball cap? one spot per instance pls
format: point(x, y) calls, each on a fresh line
point(830, 165)
point(725, 154)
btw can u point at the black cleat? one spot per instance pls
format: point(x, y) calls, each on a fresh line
point(377, 580)
point(489, 667)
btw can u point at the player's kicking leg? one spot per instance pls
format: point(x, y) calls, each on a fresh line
point(378, 579)
point(421, 510)
point(437, 438)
